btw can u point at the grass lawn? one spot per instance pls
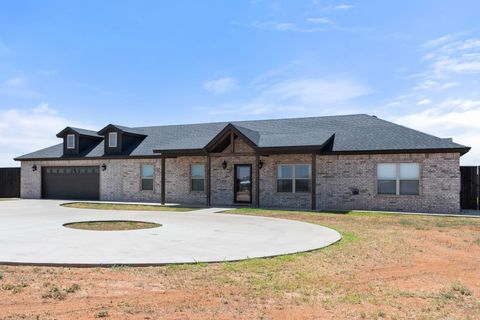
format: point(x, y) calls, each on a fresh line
point(120, 206)
point(112, 225)
point(387, 266)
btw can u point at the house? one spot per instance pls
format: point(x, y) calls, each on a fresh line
point(319, 163)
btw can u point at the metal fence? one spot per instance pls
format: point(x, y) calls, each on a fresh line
point(470, 188)
point(9, 182)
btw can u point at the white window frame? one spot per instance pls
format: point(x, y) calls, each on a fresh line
point(294, 178)
point(197, 178)
point(110, 140)
point(397, 178)
point(68, 141)
point(145, 178)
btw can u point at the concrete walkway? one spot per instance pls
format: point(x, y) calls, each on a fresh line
point(32, 232)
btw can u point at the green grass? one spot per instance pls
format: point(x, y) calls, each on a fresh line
point(14, 288)
point(112, 225)
point(419, 222)
point(129, 207)
point(457, 291)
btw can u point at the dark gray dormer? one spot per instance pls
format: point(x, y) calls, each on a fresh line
point(78, 141)
point(120, 140)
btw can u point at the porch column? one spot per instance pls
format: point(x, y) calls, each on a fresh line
point(314, 181)
point(257, 181)
point(208, 182)
point(163, 180)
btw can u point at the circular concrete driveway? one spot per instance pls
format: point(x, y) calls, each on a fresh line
point(32, 232)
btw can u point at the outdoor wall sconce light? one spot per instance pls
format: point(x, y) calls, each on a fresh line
point(355, 191)
point(260, 164)
point(104, 167)
point(224, 164)
point(34, 167)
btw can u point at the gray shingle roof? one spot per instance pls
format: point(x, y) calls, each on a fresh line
point(83, 132)
point(123, 128)
point(350, 133)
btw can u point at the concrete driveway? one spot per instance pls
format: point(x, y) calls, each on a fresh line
point(32, 232)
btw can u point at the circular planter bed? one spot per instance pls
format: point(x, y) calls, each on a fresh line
point(112, 225)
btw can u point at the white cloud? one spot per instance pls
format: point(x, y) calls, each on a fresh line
point(284, 26)
point(424, 102)
point(445, 100)
point(447, 57)
point(456, 118)
point(44, 108)
point(321, 20)
point(437, 42)
point(342, 6)
point(15, 82)
point(295, 95)
point(25, 131)
point(313, 91)
point(220, 86)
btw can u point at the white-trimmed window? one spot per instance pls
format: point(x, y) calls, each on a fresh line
point(294, 178)
point(70, 141)
point(398, 178)
point(147, 173)
point(112, 139)
point(197, 172)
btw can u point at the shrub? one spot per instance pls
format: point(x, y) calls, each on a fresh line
point(55, 293)
point(73, 288)
point(102, 314)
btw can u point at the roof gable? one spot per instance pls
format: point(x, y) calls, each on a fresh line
point(231, 129)
point(122, 129)
point(79, 131)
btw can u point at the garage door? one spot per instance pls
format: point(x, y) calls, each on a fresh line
point(76, 183)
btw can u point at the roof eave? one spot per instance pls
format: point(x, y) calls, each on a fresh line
point(461, 150)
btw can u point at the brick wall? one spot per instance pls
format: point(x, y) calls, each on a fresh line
point(336, 176)
point(120, 182)
point(177, 181)
point(269, 197)
point(439, 183)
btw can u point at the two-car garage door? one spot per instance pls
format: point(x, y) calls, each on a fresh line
point(76, 183)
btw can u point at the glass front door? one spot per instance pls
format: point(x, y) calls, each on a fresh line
point(243, 183)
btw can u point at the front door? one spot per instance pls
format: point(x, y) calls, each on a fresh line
point(243, 183)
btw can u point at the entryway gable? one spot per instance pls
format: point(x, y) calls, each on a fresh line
point(231, 140)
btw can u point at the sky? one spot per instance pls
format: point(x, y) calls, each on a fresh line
point(138, 63)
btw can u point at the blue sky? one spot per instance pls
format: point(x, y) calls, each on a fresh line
point(136, 63)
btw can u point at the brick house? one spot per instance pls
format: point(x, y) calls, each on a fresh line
point(319, 163)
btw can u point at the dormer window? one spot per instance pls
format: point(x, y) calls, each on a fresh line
point(112, 139)
point(70, 141)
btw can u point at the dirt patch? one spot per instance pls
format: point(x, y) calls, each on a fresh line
point(112, 225)
point(386, 267)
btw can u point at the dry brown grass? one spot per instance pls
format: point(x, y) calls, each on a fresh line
point(111, 225)
point(386, 267)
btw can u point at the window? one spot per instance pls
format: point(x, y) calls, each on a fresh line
point(112, 139)
point(198, 177)
point(398, 178)
point(294, 178)
point(147, 172)
point(70, 141)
